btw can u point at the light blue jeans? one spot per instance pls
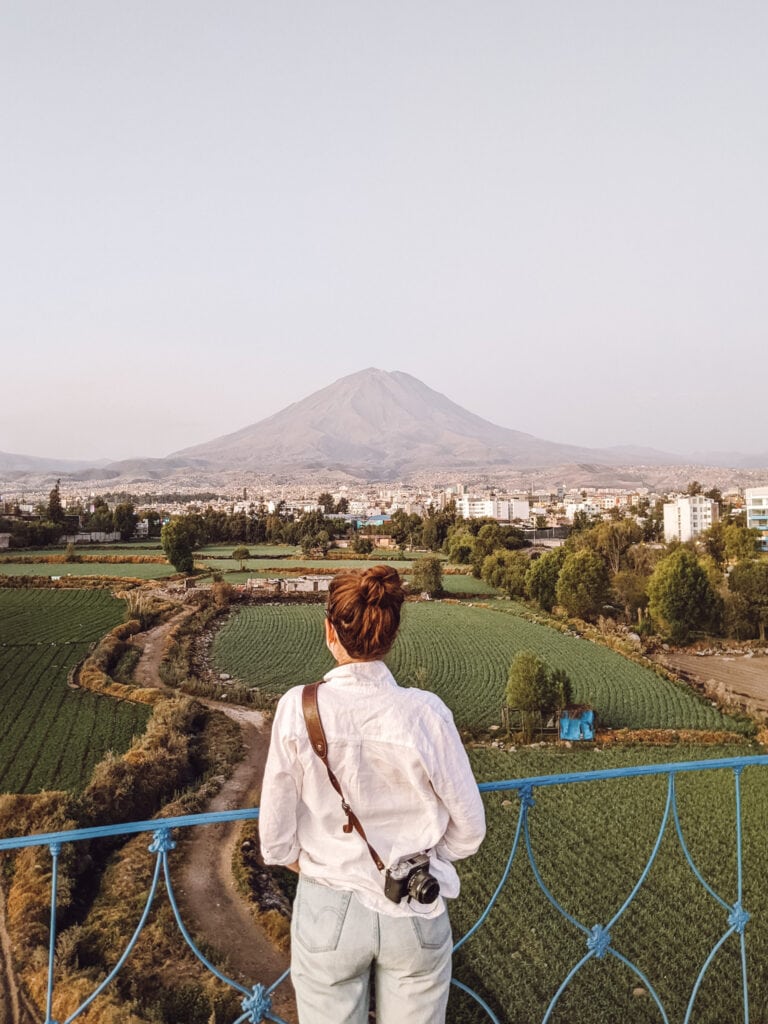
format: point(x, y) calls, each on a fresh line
point(334, 941)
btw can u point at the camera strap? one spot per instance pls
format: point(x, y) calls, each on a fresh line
point(320, 746)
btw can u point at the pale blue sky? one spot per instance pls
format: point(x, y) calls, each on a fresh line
point(553, 212)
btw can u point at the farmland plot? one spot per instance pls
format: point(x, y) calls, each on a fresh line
point(53, 736)
point(123, 570)
point(463, 654)
point(590, 842)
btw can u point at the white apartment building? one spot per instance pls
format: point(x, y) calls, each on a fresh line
point(592, 509)
point(482, 508)
point(688, 516)
point(756, 501)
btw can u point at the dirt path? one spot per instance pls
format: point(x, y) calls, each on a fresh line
point(743, 679)
point(210, 902)
point(14, 1007)
point(152, 646)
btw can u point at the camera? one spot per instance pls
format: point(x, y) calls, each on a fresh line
point(410, 877)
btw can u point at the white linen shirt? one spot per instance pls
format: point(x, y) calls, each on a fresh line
point(403, 770)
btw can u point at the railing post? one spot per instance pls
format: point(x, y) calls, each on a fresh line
point(55, 849)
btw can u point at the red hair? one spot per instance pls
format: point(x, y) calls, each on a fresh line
point(364, 609)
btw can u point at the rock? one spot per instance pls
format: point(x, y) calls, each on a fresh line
point(493, 728)
point(224, 676)
point(638, 991)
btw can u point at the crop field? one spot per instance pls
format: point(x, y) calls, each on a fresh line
point(53, 736)
point(463, 654)
point(591, 842)
point(124, 550)
point(129, 570)
point(257, 550)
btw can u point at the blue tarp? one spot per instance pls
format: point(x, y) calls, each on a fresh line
point(579, 725)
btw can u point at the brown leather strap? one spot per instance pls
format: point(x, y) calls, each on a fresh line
point(320, 746)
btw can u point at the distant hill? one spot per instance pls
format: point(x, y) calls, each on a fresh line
point(10, 463)
point(382, 425)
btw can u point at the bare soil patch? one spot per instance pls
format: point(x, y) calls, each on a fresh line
point(740, 679)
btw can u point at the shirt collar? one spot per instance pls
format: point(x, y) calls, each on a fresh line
point(361, 673)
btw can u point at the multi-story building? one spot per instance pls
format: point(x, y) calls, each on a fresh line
point(756, 500)
point(482, 508)
point(688, 516)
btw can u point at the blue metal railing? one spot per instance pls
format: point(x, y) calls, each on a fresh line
point(257, 1000)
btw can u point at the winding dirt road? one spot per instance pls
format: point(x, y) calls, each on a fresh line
point(208, 899)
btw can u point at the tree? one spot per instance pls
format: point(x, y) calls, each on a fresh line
point(240, 554)
point(326, 502)
point(631, 590)
point(507, 571)
point(342, 506)
point(178, 540)
point(530, 690)
point(362, 545)
point(741, 543)
point(125, 520)
point(749, 580)
point(613, 539)
point(714, 540)
point(428, 576)
point(583, 586)
point(461, 544)
point(541, 578)
point(55, 512)
point(489, 539)
point(694, 487)
point(682, 600)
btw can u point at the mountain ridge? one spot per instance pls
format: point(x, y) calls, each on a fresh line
point(374, 425)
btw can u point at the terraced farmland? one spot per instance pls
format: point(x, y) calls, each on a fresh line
point(53, 736)
point(463, 654)
point(591, 842)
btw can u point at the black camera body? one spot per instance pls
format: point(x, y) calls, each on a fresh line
point(410, 877)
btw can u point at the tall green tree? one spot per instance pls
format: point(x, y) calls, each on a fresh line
point(326, 502)
point(427, 576)
point(749, 580)
point(584, 586)
point(178, 540)
point(741, 542)
point(541, 578)
point(240, 554)
point(506, 571)
point(55, 511)
point(682, 599)
point(531, 690)
point(125, 520)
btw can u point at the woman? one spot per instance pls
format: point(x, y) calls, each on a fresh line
point(404, 772)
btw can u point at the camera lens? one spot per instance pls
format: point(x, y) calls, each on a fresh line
point(423, 888)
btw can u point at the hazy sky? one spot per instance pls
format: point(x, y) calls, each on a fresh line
point(553, 212)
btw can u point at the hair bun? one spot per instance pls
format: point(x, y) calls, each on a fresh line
point(380, 586)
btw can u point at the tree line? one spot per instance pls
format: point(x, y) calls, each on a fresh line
point(717, 584)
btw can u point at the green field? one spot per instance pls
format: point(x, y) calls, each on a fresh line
point(129, 570)
point(125, 550)
point(53, 736)
point(463, 653)
point(257, 550)
point(591, 842)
